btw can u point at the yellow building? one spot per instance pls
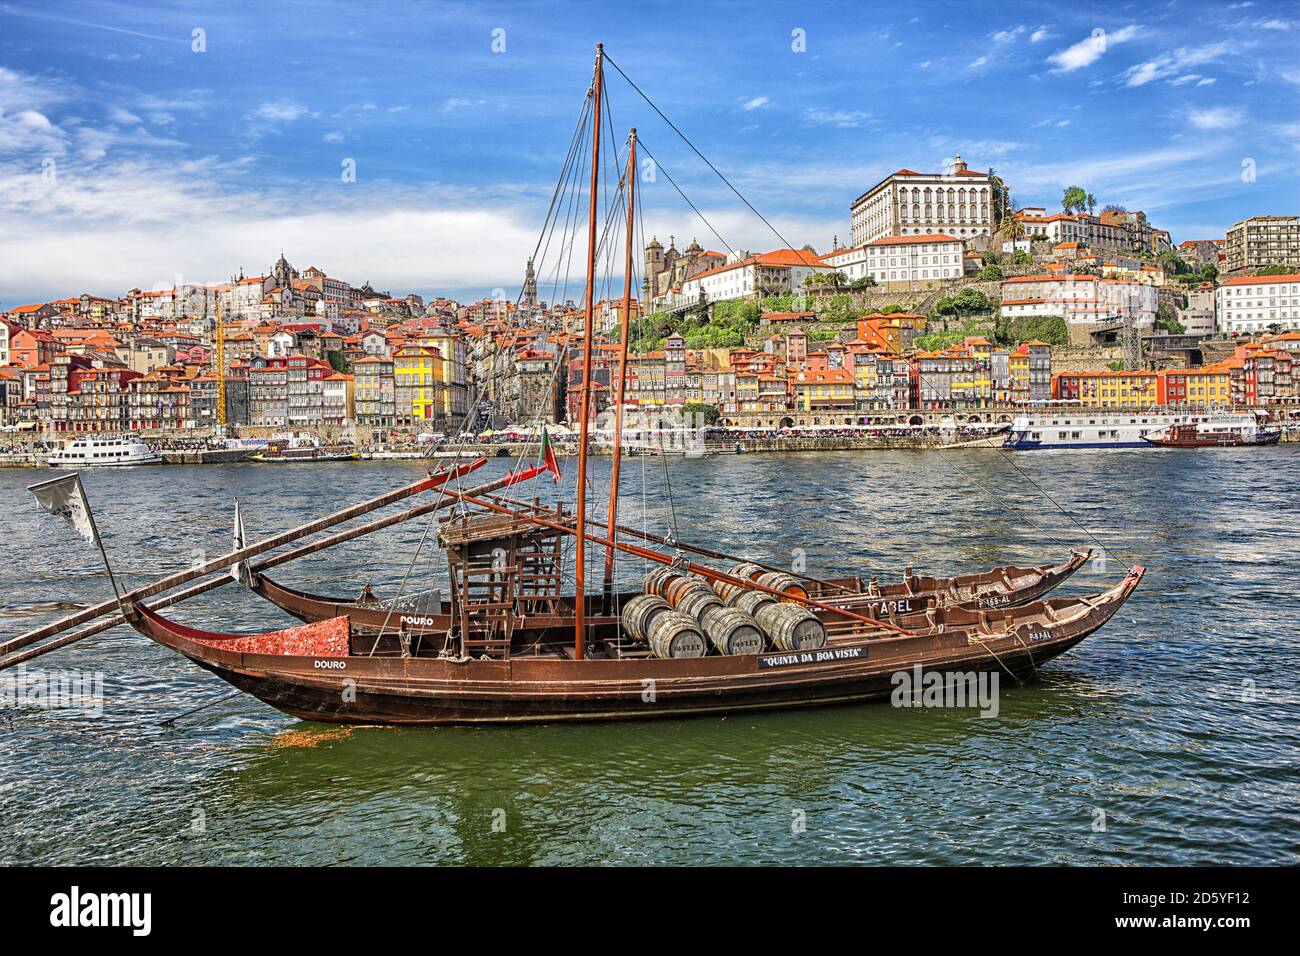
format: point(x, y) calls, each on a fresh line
point(831, 388)
point(1135, 389)
point(453, 395)
point(418, 373)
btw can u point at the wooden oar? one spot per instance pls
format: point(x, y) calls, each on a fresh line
point(226, 560)
point(114, 619)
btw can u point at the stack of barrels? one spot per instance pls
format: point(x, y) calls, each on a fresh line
point(678, 611)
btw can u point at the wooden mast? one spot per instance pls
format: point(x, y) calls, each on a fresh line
point(580, 591)
point(612, 519)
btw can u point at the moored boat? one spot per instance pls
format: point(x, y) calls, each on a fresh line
point(1084, 428)
point(104, 452)
point(1235, 432)
point(314, 672)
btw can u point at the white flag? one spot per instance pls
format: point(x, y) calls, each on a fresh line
point(66, 498)
point(240, 572)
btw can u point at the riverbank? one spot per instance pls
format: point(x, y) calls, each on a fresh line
point(737, 446)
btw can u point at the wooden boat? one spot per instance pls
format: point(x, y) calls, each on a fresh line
point(1207, 435)
point(304, 456)
point(314, 672)
point(903, 602)
point(510, 646)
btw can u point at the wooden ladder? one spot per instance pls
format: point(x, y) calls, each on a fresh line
point(486, 604)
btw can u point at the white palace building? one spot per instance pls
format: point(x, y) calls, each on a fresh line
point(957, 203)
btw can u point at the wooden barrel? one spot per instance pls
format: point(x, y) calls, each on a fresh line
point(695, 601)
point(791, 627)
point(639, 614)
point(658, 580)
point(745, 571)
point(780, 581)
point(749, 601)
point(678, 588)
point(674, 634)
point(732, 631)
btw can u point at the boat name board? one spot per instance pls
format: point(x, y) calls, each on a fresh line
point(820, 656)
point(890, 608)
point(331, 664)
point(416, 621)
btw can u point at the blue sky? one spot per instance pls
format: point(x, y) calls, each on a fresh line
point(128, 159)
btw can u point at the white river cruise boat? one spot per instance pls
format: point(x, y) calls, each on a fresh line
point(104, 453)
point(1084, 428)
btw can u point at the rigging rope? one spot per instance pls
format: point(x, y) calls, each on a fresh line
point(786, 243)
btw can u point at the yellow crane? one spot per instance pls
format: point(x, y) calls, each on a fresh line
point(219, 362)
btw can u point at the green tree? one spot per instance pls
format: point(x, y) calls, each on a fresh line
point(971, 300)
point(709, 413)
point(339, 362)
point(1167, 320)
point(1001, 198)
point(990, 272)
point(1074, 200)
point(866, 282)
point(1012, 228)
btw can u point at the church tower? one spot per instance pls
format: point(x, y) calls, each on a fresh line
point(654, 264)
point(530, 284)
point(283, 272)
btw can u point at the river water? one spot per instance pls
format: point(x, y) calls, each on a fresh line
point(1168, 737)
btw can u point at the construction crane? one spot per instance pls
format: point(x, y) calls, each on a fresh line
point(219, 361)
point(1131, 342)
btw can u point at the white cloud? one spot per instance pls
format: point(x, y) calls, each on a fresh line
point(842, 118)
point(1090, 49)
point(120, 115)
point(21, 91)
point(334, 137)
point(1217, 118)
point(1174, 62)
point(30, 131)
point(976, 64)
point(281, 110)
point(454, 103)
point(1006, 36)
point(755, 103)
point(1206, 81)
point(106, 228)
point(1039, 35)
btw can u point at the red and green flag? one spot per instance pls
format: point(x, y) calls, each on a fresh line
point(548, 456)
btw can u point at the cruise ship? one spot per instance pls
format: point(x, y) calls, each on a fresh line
point(104, 453)
point(1084, 428)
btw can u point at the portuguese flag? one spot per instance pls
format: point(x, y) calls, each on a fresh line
point(548, 456)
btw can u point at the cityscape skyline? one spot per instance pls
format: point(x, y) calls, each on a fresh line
point(151, 150)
